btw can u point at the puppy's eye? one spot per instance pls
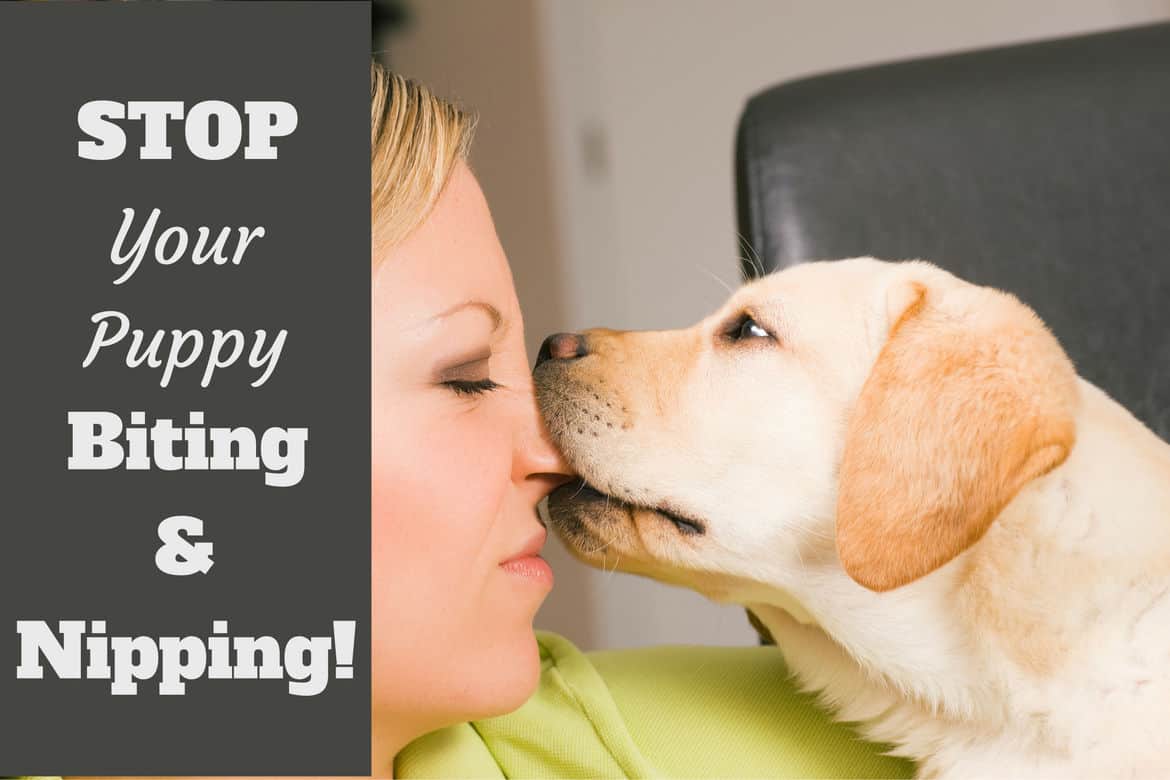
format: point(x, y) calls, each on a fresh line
point(746, 328)
point(752, 330)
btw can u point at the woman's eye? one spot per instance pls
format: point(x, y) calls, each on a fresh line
point(750, 329)
point(468, 377)
point(470, 386)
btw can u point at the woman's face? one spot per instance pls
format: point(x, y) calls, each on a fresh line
point(460, 461)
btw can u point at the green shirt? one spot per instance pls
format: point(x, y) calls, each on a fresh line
point(654, 712)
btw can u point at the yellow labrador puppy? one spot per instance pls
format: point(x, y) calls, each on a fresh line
point(953, 539)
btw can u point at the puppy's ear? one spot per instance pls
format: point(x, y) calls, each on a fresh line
point(970, 398)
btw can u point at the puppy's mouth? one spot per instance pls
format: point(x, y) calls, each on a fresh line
point(585, 495)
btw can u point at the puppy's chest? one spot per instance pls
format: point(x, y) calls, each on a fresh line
point(884, 710)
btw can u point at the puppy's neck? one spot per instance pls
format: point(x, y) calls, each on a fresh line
point(1077, 556)
point(1080, 552)
point(1111, 497)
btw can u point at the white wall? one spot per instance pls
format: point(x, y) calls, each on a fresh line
point(643, 98)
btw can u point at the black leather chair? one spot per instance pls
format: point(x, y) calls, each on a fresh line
point(1042, 169)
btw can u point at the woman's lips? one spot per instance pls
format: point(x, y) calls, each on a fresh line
point(527, 563)
point(532, 568)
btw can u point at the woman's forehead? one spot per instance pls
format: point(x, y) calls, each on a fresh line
point(452, 258)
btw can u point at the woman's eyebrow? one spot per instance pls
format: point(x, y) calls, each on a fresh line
point(491, 311)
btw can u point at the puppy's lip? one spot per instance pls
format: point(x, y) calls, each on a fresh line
point(584, 492)
point(579, 490)
point(587, 492)
point(687, 526)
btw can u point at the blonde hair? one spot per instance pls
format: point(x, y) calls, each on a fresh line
point(416, 139)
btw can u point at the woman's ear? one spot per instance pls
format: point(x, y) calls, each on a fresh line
point(970, 398)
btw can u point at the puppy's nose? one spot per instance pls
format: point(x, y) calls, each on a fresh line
point(562, 346)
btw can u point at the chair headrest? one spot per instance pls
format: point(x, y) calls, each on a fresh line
point(1042, 169)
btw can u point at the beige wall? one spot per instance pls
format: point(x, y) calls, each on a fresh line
point(486, 55)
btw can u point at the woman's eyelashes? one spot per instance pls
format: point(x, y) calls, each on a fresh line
point(465, 387)
point(468, 377)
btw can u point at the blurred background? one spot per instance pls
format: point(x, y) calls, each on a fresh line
point(605, 148)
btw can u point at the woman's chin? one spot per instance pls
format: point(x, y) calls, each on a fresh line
point(517, 590)
point(510, 675)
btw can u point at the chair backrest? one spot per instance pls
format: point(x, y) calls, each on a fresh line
point(1042, 169)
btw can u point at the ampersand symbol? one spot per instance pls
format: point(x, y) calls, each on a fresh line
point(178, 556)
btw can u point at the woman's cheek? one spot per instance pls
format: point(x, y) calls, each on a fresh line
point(437, 491)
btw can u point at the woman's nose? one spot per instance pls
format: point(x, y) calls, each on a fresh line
point(536, 458)
point(562, 346)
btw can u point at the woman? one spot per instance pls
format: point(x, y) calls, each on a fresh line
point(460, 461)
point(459, 458)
